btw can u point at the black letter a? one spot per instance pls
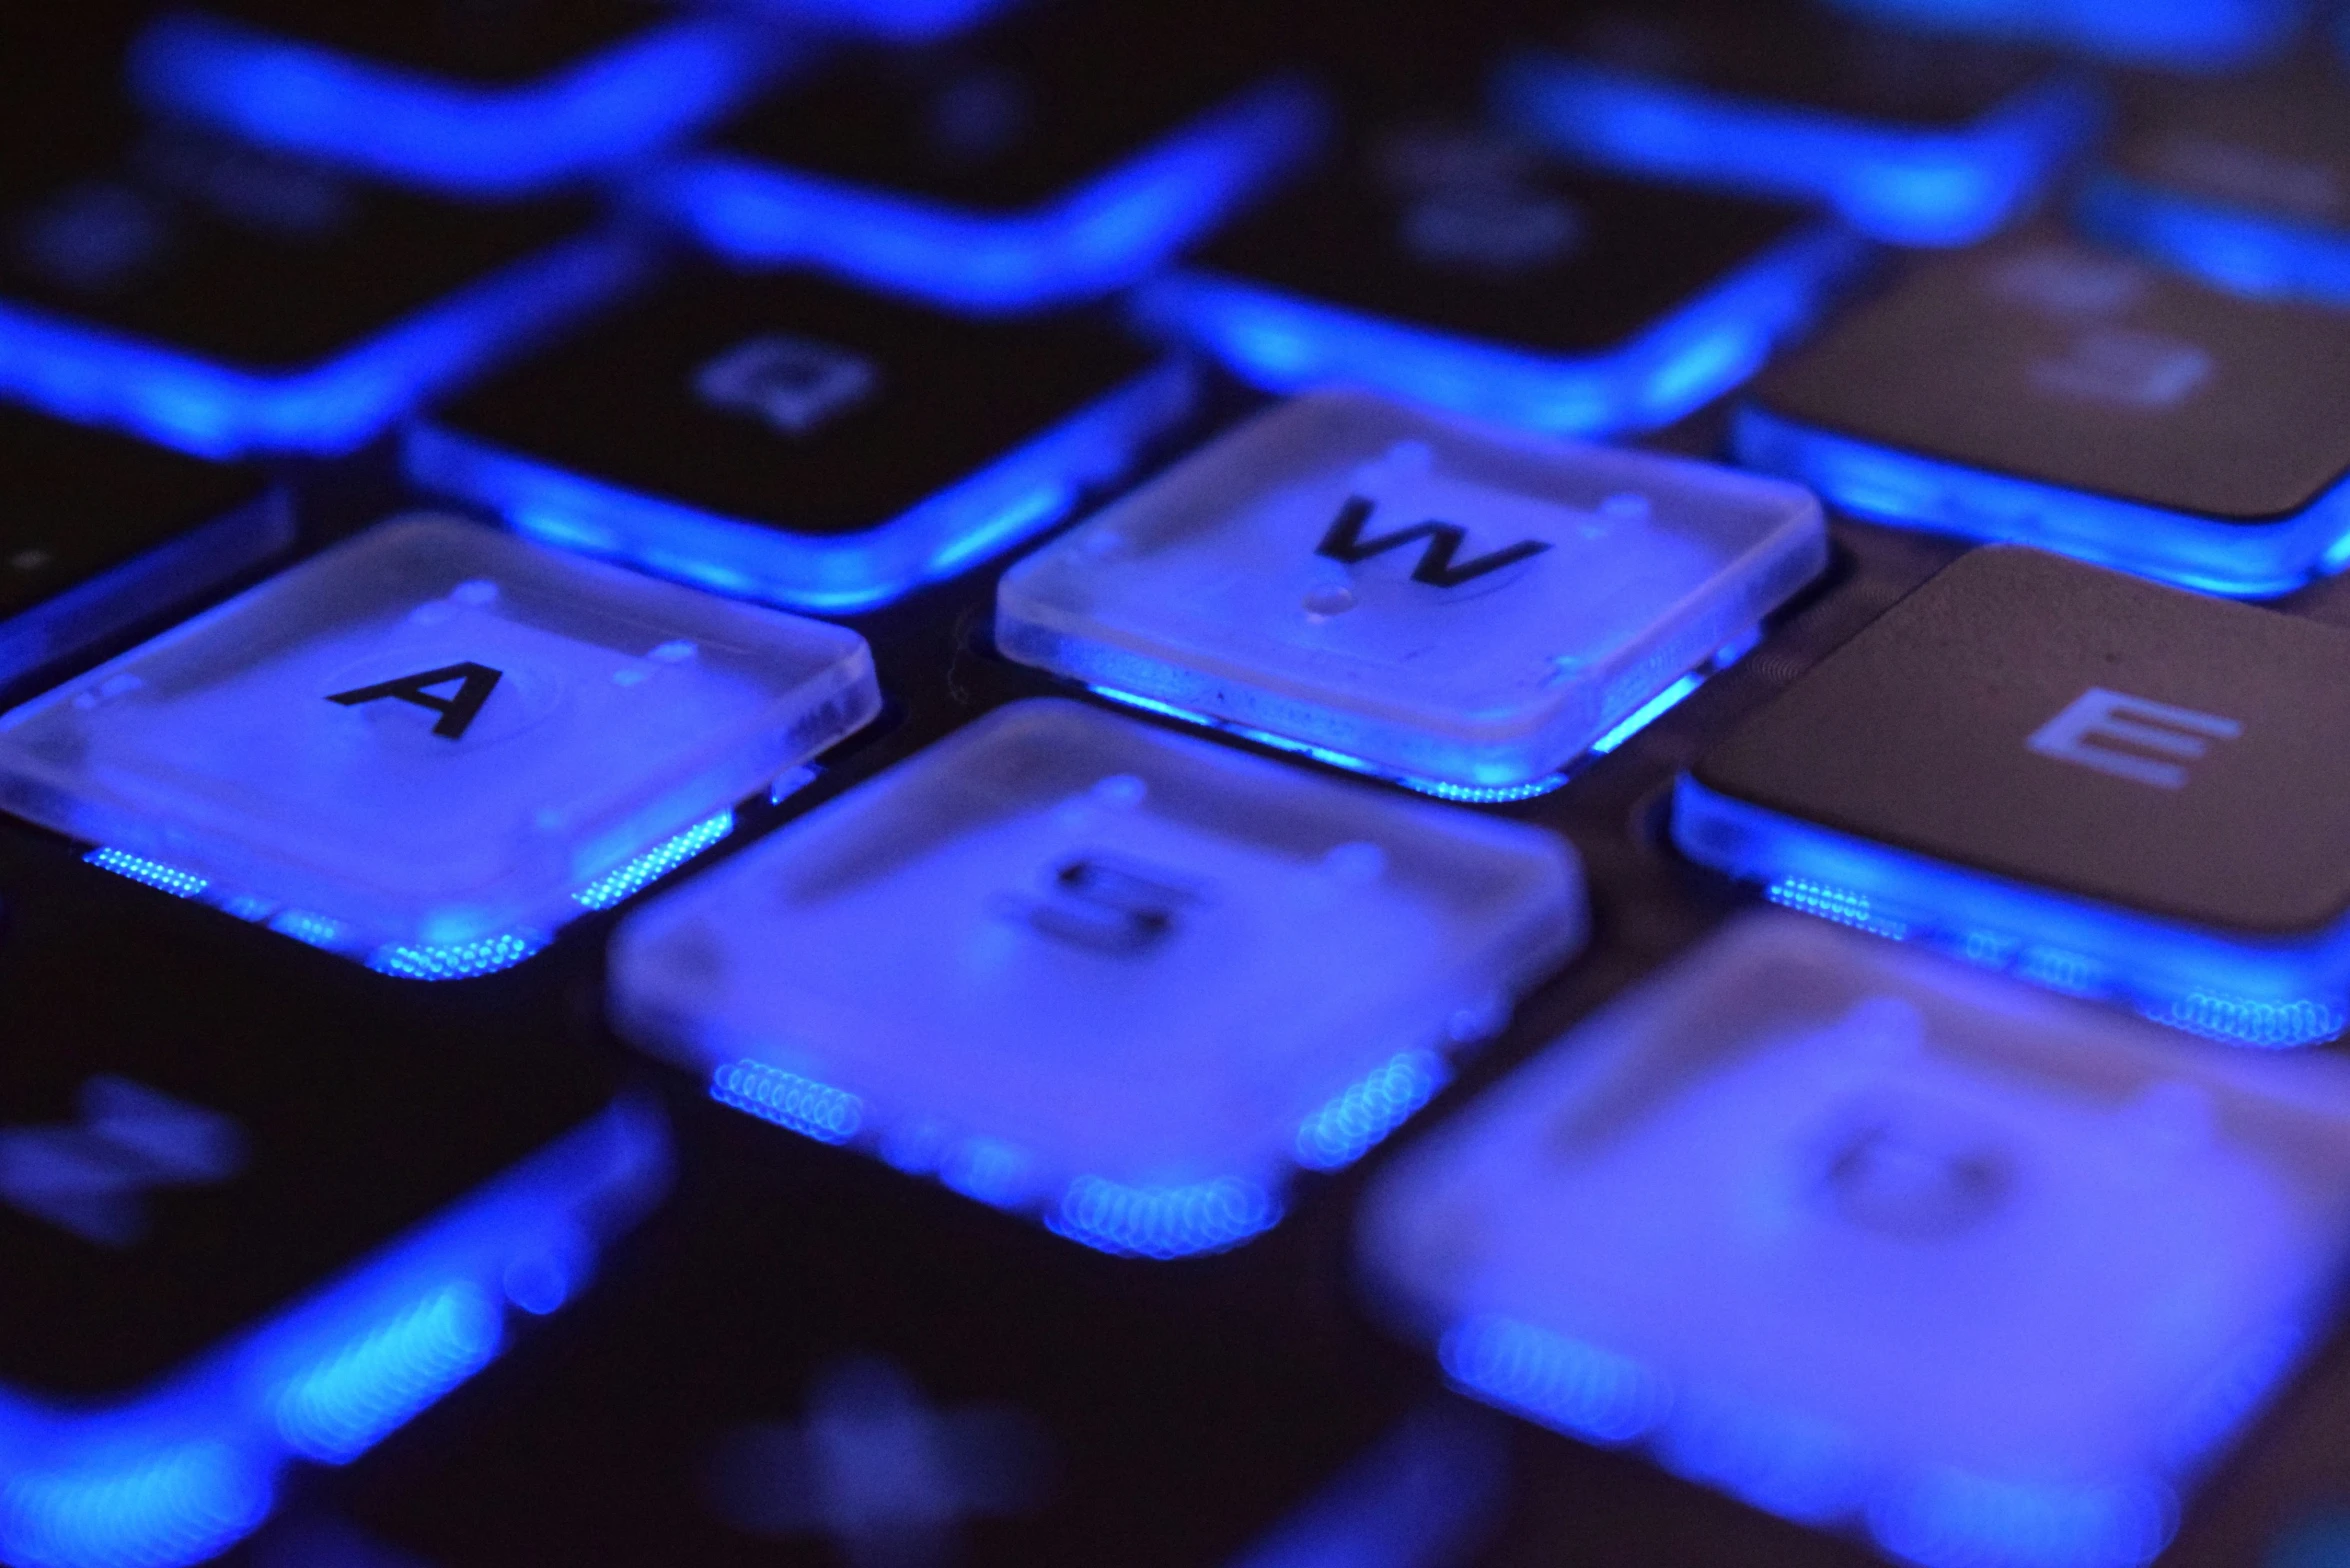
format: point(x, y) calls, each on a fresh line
point(456, 713)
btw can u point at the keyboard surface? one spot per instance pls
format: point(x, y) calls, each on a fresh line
point(1252, 785)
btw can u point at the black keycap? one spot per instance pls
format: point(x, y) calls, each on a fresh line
point(799, 441)
point(2042, 391)
point(2047, 762)
point(219, 298)
point(1801, 55)
point(102, 531)
point(799, 1368)
point(199, 1123)
point(1021, 112)
point(1443, 264)
point(2243, 182)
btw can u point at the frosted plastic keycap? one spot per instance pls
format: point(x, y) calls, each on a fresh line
point(1072, 963)
point(431, 734)
point(1439, 599)
point(1866, 1236)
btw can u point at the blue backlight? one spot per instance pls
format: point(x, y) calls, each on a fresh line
point(96, 376)
point(640, 94)
point(180, 1472)
point(2261, 255)
point(1903, 185)
point(899, 21)
point(1015, 497)
point(2190, 35)
point(1163, 1222)
point(2271, 995)
point(1284, 343)
point(1109, 232)
point(1886, 485)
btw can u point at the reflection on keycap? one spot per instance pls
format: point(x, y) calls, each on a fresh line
point(1461, 607)
point(424, 746)
point(1870, 1239)
point(1070, 964)
point(2040, 391)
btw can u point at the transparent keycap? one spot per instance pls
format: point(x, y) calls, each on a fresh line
point(1440, 600)
point(1869, 1237)
point(1074, 964)
point(430, 735)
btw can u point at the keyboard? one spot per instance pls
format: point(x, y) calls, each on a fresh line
point(1257, 784)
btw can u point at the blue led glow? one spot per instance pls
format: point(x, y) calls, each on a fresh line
point(638, 95)
point(1285, 343)
point(178, 1473)
point(1011, 499)
point(654, 863)
point(457, 960)
point(1463, 794)
point(93, 375)
point(339, 1409)
point(811, 1109)
point(1109, 232)
point(1596, 1394)
point(1904, 185)
point(2263, 994)
point(2262, 255)
point(1163, 1222)
point(1346, 1129)
point(168, 879)
point(900, 21)
point(2249, 560)
point(2191, 35)
point(1439, 789)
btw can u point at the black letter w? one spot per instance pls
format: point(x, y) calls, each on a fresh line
point(1345, 542)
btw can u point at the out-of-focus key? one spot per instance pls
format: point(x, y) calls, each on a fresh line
point(1074, 966)
point(2180, 35)
point(433, 744)
point(2046, 393)
point(1060, 155)
point(1913, 141)
point(102, 531)
point(1876, 1241)
point(484, 100)
point(225, 300)
point(238, 1241)
point(1465, 608)
point(790, 440)
point(2244, 184)
point(1437, 262)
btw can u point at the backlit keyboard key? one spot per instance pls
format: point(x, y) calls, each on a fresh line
point(2190, 35)
point(1873, 1240)
point(1072, 965)
point(790, 440)
point(1468, 609)
point(2244, 184)
point(224, 300)
point(101, 531)
point(2046, 393)
point(496, 100)
point(2113, 788)
point(238, 1239)
point(1440, 263)
point(1061, 154)
point(1915, 142)
point(433, 744)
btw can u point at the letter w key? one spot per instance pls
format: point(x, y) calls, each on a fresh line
point(88, 1179)
point(1436, 567)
